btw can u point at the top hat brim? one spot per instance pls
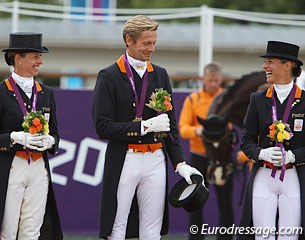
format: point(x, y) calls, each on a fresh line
point(43, 50)
point(194, 200)
point(282, 56)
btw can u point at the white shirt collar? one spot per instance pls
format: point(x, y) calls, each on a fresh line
point(25, 83)
point(283, 90)
point(138, 65)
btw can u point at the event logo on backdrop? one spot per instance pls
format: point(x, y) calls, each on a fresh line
point(80, 157)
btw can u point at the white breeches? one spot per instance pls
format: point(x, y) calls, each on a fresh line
point(25, 200)
point(144, 173)
point(271, 195)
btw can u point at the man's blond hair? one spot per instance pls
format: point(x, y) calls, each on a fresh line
point(138, 24)
point(212, 68)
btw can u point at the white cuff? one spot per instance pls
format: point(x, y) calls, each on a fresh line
point(142, 129)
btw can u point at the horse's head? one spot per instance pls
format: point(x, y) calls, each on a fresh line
point(217, 138)
point(228, 106)
point(214, 127)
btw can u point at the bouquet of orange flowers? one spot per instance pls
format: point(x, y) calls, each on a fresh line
point(35, 122)
point(160, 101)
point(279, 131)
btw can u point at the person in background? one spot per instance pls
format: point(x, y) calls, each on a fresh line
point(273, 138)
point(134, 191)
point(197, 104)
point(27, 203)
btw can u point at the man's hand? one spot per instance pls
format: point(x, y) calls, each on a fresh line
point(186, 171)
point(157, 124)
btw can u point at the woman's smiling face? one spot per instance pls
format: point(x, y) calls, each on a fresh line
point(28, 66)
point(277, 70)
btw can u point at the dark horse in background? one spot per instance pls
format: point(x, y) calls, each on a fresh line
point(221, 136)
point(221, 128)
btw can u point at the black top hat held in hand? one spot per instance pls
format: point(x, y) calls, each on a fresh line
point(283, 50)
point(189, 197)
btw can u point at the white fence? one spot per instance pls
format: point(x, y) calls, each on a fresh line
point(205, 14)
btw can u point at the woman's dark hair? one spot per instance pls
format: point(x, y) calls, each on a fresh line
point(296, 71)
point(10, 57)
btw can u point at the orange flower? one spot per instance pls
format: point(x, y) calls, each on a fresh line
point(36, 121)
point(32, 130)
point(168, 105)
point(166, 98)
point(272, 126)
point(39, 127)
point(272, 133)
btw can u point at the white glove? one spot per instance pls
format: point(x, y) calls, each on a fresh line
point(157, 124)
point(186, 171)
point(44, 142)
point(25, 139)
point(290, 157)
point(272, 154)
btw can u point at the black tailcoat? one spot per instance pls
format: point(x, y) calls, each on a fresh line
point(113, 113)
point(11, 118)
point(254, 138)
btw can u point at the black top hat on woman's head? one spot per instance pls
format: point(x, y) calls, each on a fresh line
point(189, 197)
point(26, 42)
point(23, 42)
point(283, 50)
